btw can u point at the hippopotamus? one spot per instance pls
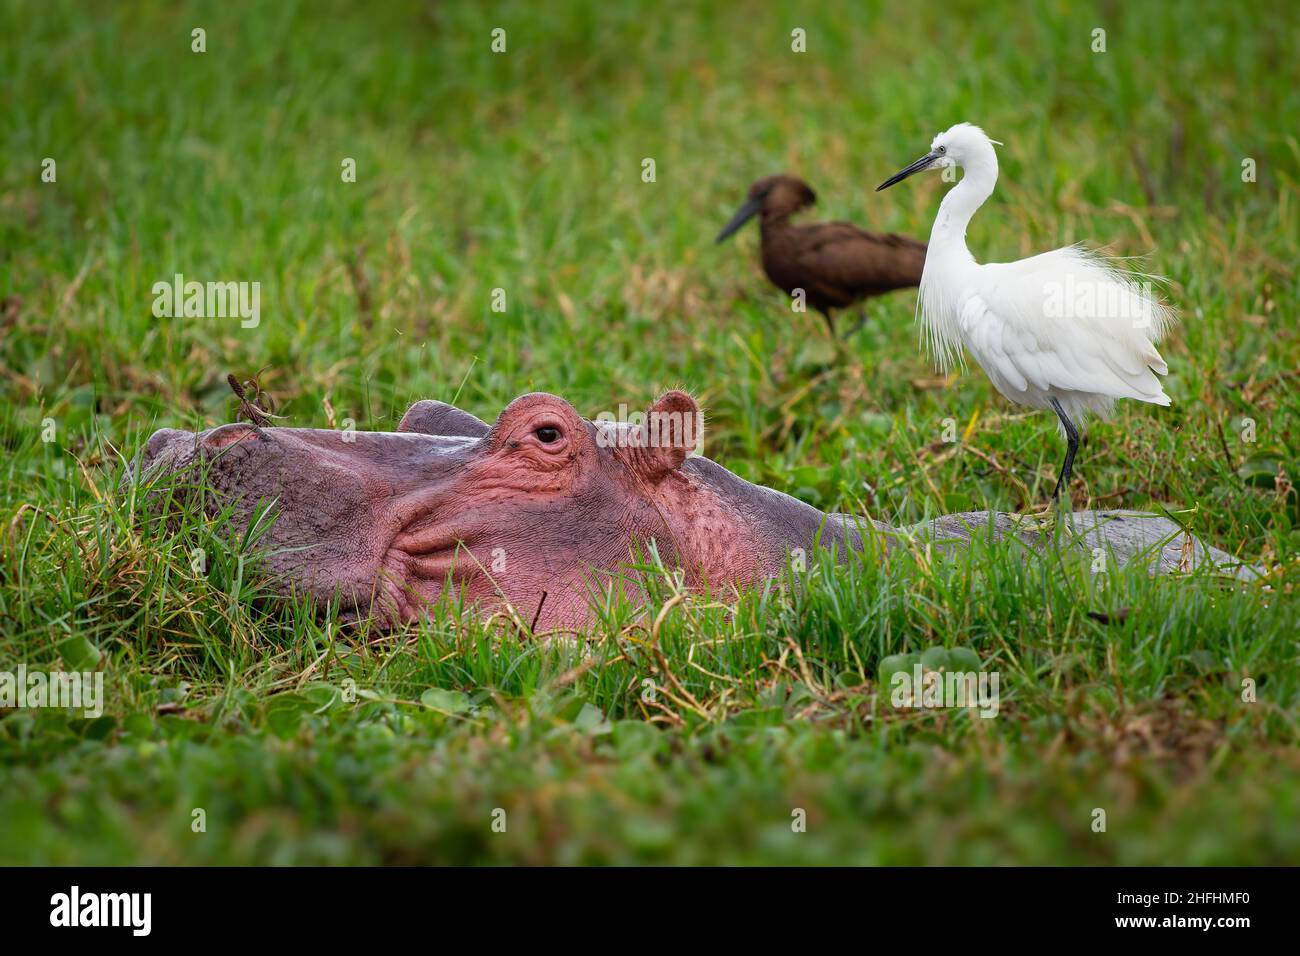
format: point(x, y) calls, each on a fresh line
point(543, 509)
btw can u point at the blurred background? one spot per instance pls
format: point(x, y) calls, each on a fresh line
point(522, 171)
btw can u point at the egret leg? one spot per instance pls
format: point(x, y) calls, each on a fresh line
point(1071, 446)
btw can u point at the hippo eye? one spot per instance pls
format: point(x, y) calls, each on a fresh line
point(547, 435)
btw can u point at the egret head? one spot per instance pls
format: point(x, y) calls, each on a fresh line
point(962, 145)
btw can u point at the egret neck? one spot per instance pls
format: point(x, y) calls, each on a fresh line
point(961, 202)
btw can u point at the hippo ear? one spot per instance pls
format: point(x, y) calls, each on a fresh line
point(670, 432)
point(438, 418)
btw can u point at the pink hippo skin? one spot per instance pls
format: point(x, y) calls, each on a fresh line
point(542, 502)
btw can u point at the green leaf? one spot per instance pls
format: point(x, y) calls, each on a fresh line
point(78, 653)
point(447, 701)
point(807, 476)
point(877, 424)
point(636, 737)
point(284, 714)
point(592, 720)
point(963, 659)
point(138, 725)
point(98, 728)
point(1261, 470)
point(1201, 659)
point(935, 659)
point(758, 717)
point(323, 696)
point(896, 663)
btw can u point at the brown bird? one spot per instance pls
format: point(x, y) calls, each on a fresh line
point(835, 263)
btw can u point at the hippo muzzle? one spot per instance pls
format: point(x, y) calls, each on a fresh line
point(340, 500)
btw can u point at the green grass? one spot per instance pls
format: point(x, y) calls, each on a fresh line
point(523, 171)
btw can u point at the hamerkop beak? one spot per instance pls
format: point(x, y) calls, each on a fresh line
point(747, 211)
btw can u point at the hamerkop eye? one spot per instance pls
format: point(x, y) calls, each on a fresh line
point(547, 435)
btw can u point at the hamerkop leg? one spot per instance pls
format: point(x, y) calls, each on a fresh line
point(862, 320)
point(830, 322)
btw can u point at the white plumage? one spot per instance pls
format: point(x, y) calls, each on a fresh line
point(1067, 330)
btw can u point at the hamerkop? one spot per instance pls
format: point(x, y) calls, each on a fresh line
point(835, 263)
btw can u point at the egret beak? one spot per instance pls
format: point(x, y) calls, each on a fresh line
point(925, 162)
point(747, 211)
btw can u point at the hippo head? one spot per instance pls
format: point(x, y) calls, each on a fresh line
point(543, 502)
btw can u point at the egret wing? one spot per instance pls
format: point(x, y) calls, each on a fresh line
point(1066, 320)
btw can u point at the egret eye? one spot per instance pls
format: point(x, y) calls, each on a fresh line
point(942, 149)
point(547, 435)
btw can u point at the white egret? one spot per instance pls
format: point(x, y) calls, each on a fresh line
point(1066, 330)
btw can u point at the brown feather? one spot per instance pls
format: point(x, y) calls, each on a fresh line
point(835, 263)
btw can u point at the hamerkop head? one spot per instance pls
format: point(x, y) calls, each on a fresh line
point(776, 197)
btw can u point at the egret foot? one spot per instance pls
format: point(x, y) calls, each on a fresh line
point(1041, 522)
